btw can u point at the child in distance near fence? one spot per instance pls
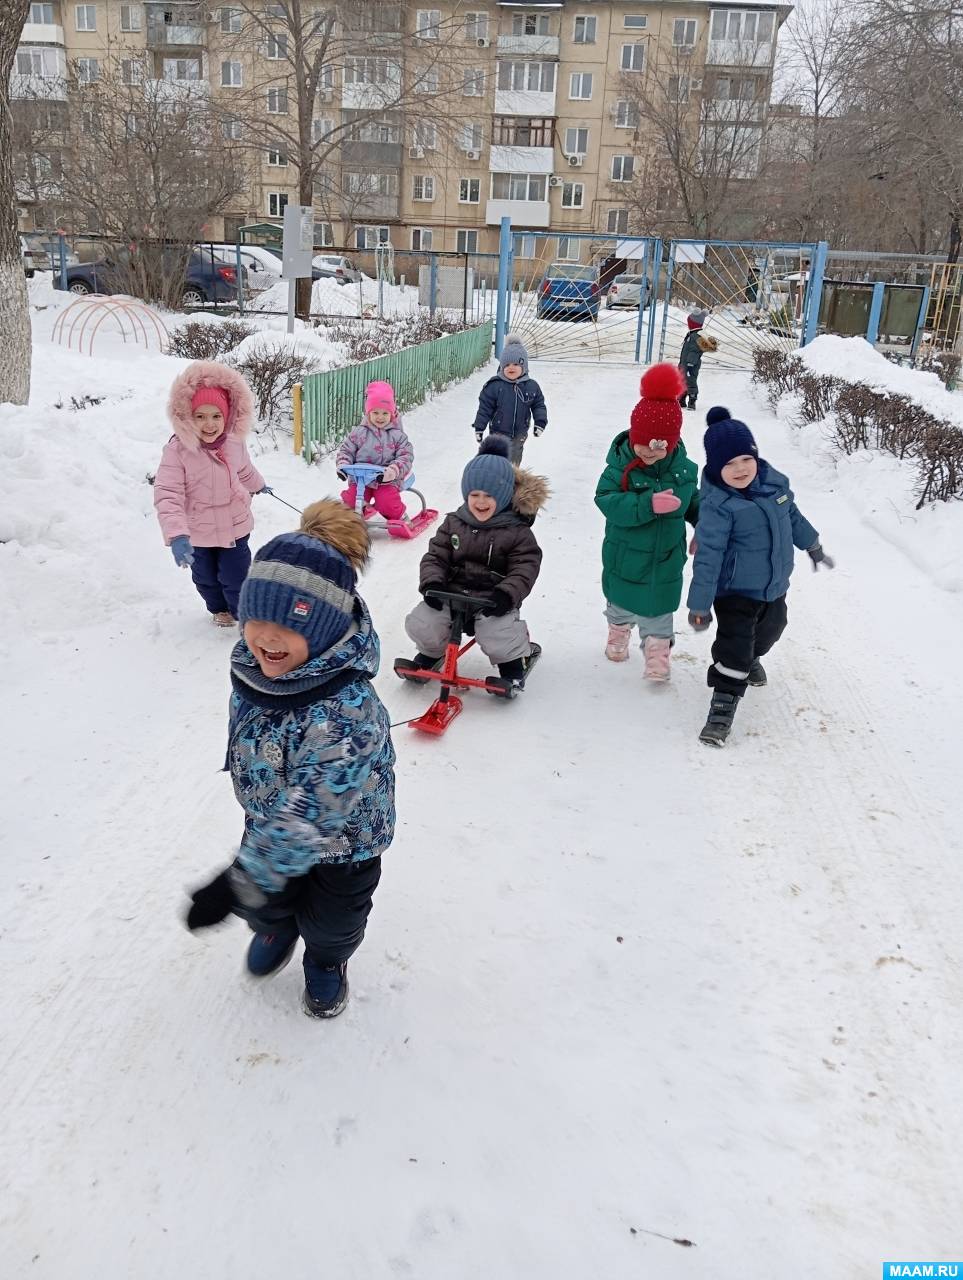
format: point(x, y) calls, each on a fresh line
point(204, 483)
point(647, 492)
point(310, 756)
point(379, 439)
point(694, 346)
point(748, 526)
point(510, 400)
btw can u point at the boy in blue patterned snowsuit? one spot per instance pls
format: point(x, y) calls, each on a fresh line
point(310, 756)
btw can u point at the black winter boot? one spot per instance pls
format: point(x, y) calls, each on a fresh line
point(757, 675)
point(325, 988)
point(722, 711)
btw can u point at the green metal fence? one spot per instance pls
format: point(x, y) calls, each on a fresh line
point(333, 402)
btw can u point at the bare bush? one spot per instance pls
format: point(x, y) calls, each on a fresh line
point(778, 371)
point(273, 372)
point(941, 466)
point(945, 364)
point(199, 341)
point(819, 394)
point(363, 340)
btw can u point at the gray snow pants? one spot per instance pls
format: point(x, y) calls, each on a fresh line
point(500, 639)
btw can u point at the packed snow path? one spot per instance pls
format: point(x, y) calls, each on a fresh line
point(618, 989)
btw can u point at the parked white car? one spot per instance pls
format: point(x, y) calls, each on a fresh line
point(337, 267)
point(263, 266)
point(627, 291)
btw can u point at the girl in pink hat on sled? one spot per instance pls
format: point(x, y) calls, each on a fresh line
point(378, 440)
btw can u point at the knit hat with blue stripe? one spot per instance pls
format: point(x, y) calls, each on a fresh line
point(304, 584)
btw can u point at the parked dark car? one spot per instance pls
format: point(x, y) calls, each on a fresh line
point(204, 281)
point(568, 290)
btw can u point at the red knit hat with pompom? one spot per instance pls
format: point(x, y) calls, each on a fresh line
point(658, 415)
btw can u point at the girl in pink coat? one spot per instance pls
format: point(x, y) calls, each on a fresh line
point(203, 487)
point(379, 439)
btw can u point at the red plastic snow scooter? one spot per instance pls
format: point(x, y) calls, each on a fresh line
point(365, 476)
point(448, 705)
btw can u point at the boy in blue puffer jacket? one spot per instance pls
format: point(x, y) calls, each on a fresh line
point(511, 400)
point(748, 526)
point(310, 756)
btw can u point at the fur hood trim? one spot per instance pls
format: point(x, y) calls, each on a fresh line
point(706, 342)
point(209, 373)
point(332, 522)
point(531, 492)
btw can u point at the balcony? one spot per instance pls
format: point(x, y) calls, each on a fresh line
point(739, 53)
point(42, 33)
point(371, 97)
point(371, 155)
point(529, 46)
point(170, 92)
point(164, 35)
point(727, 111)
point(524, 102)
point(521, 159)
point(523, 213)
point(40, 88)
point(365, 206)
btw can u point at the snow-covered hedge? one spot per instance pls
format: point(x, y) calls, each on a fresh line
point(871, 403)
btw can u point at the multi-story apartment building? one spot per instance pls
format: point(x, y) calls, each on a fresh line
point(543, 124)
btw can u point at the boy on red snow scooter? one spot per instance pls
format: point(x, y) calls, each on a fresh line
point(379, 439)
point(485, 548)
point(647, 492)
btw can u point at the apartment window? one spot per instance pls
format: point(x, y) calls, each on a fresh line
point(476, 26)
point(518, 186)
point(277, 47)
point(131, 125)
point(474, 82)
point(635, 21)
point(523, 246)
point(622, 168)
point(618, 221)
point(466, 240)
point(131, 71)
point(633, 57)
point(323, 234)
point(472, 138)
point(370, 184)
point(275, 11)
point(85, 17)
point(426, 135)
point(43, 14)
point(728, 89)
point(326, 78)
point(422, 187)
point(626, 114)
point(231, 22)
point(573, 194)
point(276, 203)
point(88, 70)
point(576, 142)
point(429, 81)
point(231, 75)
point(522, 131)
point(37, 62)
point(277, 159)
point(677, 88)
point(569, 249)
point(752, 28)
point(277, 102)
point(366, 71)
point(584, 30)
point(684, 33)
point(427, 23)
point(370, 237)
point(231, 130)
point(530, 24)
point(321, 129)
point(469, 191)
point(580, 85)
point(421, 239)
point(535, 77)
point(129, 17)
point(380, 131)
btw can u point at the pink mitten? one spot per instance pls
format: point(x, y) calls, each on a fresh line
point(390, 473)
point(664, 502)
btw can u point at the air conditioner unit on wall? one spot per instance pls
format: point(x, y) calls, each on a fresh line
point(325, 95)
point(555, 182)
point(472, 155)
point(576, 162)
point(483, 42)
point(695, 85)
point(416, 153)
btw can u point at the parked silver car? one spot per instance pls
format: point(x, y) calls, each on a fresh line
point(336, 267)
point(627, 291)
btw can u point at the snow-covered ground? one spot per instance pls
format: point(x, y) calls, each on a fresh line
point(618, 991)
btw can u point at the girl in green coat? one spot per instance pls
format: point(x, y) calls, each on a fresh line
point(647, 492)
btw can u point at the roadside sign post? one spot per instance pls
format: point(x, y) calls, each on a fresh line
point(296, 250)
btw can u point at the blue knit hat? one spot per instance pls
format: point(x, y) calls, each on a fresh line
point(491, 472)
point(302, 583)
point(513, 352)
point(726, 438)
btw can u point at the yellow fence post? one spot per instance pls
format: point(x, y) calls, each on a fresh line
point(297, 405)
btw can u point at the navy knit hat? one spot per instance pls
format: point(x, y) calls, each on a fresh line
point(491, 472)
point(304, 584)
point(513, 352)
point(726, 438)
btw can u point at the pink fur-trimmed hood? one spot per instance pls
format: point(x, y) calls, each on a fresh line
point(209, 373)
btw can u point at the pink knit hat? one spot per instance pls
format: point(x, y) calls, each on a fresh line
point(215, 396)
point(380, 395)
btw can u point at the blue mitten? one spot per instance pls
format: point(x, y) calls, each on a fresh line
point(182, 551)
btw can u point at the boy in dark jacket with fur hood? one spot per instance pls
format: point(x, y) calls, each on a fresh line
point(511, 400)
point(485, 548)
point(748, 526)
point(694, 345)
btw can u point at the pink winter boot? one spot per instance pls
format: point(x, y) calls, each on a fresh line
point(617, 645)
point(657, 651)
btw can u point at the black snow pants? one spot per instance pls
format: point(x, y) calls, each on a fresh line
point(745, 629)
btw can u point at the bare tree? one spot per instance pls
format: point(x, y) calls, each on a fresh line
point(147, 169)
point(14, 313)
point(399, 86)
